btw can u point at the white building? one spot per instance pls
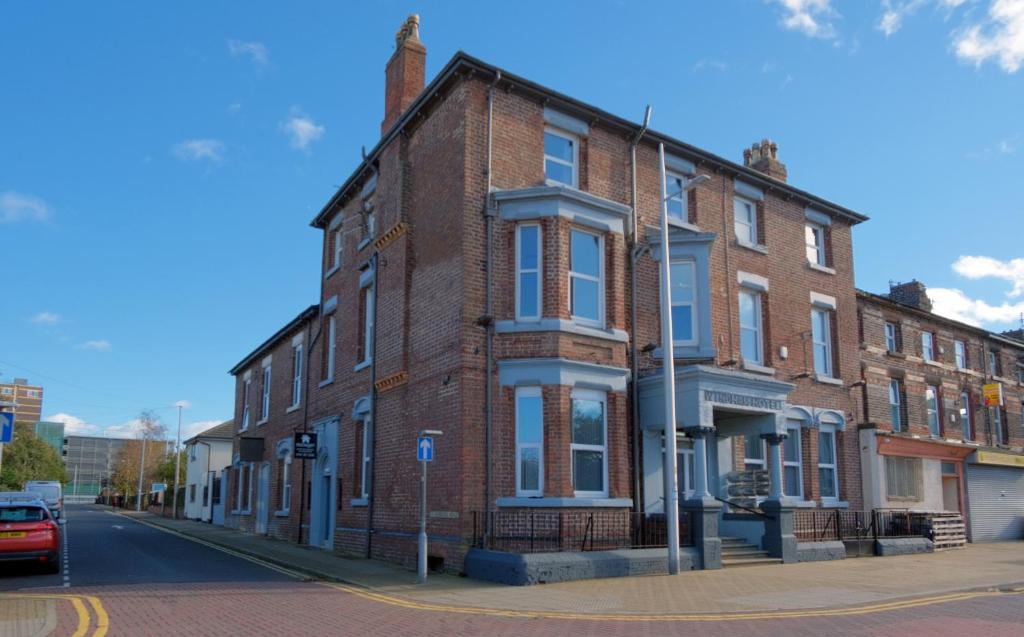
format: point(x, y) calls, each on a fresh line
point(206, 453)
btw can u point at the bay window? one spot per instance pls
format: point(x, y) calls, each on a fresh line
point(529, 442)
point(683, 293)
point(589, 448)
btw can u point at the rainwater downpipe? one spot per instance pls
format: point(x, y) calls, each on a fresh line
point(490, 212)
point(634, 256)
point(306, 395)
point(372, 420)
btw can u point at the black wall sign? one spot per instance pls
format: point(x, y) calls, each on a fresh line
point(305, 446)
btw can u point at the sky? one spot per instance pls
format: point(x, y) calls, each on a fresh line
point(160, 162)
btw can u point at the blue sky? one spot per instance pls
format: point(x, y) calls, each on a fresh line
point(159, 164)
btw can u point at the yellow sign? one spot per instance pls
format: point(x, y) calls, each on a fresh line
point(1005, 459)
point(993, 393)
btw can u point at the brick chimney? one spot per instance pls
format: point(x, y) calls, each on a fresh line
point(404, 74)
point(764, 158)
point(912, 293)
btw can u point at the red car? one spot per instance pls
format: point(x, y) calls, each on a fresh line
point(29, 532)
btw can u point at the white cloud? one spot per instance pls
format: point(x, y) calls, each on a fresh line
point(46, 318)
point(16, 206)
point(74, 425)
point(954, 304)
point(1006, 146)
point(1011, 271)
point(96, 345)
point(198, 427)
point(1000, 37)
point(199, 149)
point(257, 52)
point(302, 130)
point(810, 17)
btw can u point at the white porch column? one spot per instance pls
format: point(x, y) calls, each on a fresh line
point(775, 460)
point(700, 460)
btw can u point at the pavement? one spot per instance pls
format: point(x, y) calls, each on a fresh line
point(856, 582)
point(143, 576)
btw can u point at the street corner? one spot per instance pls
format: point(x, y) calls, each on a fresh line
point(44, 614)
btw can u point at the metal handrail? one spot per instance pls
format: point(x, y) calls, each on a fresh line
point(760, 514)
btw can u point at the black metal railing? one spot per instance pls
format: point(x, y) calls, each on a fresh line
point(735, 505)
point(817, 525)
point(545, 531)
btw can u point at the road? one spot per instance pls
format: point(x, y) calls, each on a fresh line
point(126, 578)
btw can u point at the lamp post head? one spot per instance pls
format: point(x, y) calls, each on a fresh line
point(431, 432)
point(182, 404)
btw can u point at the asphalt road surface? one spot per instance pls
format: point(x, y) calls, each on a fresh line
point(126, 578)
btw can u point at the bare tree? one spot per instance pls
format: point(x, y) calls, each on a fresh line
point(131, 458)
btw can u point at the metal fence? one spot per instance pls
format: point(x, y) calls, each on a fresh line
point(543, 531)
point(816, 525)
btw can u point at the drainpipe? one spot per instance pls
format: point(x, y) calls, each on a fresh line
point(487, 320)
point(728, 278)
point(634, 256)
point(375, 264)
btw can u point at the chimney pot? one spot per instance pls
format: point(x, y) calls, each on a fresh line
point(763, 156)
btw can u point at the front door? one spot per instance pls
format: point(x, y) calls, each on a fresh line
point(262, 499)
point(951, 494)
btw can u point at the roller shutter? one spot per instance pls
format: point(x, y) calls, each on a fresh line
point(996, 499)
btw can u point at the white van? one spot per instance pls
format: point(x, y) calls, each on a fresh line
point(51, 493)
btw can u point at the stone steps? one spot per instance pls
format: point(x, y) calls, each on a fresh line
point(738, 552)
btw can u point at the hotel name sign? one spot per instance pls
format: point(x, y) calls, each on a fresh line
point(729, 398)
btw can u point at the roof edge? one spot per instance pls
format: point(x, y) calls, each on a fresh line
point(303, 316)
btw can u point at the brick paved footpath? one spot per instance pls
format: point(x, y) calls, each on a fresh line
point(816, 585)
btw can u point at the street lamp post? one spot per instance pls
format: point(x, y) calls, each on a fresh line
point(422, 454)
point(142, 465)
point(177, 463)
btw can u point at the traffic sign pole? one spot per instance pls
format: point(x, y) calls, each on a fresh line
point(425, 454)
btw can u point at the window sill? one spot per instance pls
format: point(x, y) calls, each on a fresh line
point(579, 501)
point(282, 514)
point(757, 368)
point(262, 422)
point(685, 225)
point(294, 407)
point(362, 244)
point(895, 354)
point(333, 269)
point(831, 503)
point(363, 365)
point(325, 382)
point(933, 363)
point(755, 247)
point(824, 269)
point(828, 380)
point(560, 325)
point(686, 352)
point(799, 503)
point(553, 182)
point(359, 502)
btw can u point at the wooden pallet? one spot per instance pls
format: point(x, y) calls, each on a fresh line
point(948, 532)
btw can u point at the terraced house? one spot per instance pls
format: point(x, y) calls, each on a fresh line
point(491, 270)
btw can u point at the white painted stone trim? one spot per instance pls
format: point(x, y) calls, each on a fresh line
point(568, 123)
point(752, 281)
point(561, 371)
point(749, 191)
point(817, 217)
point(823, 301)
point(560, 325)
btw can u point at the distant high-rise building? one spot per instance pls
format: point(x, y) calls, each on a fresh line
point(26, 401)
point(52, 433)
point(90, 461)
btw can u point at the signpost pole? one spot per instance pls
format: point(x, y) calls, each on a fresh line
point(425, 454)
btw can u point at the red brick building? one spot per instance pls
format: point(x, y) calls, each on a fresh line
point(491, 271)
point(928, 441)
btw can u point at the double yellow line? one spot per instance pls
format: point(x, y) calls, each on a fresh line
point(97, 619)
point(403, 602)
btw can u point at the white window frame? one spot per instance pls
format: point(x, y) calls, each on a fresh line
point(897, 415)
point(758, 327)
point(750, 228)
point(590, 394)
point(818, 246)
point(791, 427)
point(682, 197)
point(599, 279)
point(371, 224)
point(332, 336)
point(892, 341)
point(999, 426)
point(364, 465)
point(575, 165)
point(931, 412)
point(960, 354)
point(246, 385)
point(286, 483)
point(297, 362)
point(265, 396)
point(829, 463)
point(993, 363)
point(368, 322)
point(928, 346)
point(339, 246)
point(694, 320)
point(966, 423)
point(761, 462)
point(829, 371)
point(520, 271)
point(530, 392)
